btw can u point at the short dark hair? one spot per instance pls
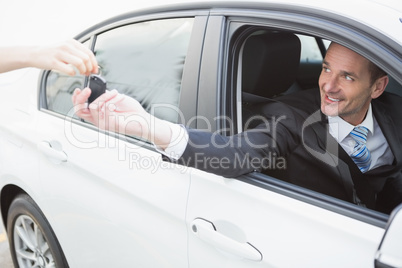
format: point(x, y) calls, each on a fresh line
point(375, 72)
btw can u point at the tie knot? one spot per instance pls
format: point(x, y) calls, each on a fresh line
point(359, 134)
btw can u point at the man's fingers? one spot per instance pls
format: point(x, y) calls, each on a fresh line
point(113, 104)
point(75, 93)
point(80, 98)
point(104, 98)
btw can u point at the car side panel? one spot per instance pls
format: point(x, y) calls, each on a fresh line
point(111, 198)
point(287, 232)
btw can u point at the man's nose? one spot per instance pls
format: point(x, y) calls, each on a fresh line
point(331, 84)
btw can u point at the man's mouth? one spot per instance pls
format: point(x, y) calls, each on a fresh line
point(333, 99)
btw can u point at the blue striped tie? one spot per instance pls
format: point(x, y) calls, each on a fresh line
point(361, 154)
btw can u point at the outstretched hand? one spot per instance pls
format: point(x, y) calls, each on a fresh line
point(113, 112)
point(64, 57)
point(117, 112)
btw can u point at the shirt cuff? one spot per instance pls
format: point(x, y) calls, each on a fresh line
point(177, 144)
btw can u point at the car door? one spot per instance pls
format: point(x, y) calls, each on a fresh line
point(111, 200)
point(257, 220)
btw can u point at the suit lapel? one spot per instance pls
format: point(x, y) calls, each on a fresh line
point(328, 150)
point(318, 142)
point(327, 143)
point(345, 169)
point(388, 128)
point(321, 145)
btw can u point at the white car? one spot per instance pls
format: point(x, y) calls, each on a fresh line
point(74, 196)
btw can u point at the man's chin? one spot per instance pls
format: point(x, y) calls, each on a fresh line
point(330, 111)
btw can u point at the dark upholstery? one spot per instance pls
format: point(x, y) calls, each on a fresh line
point(270, 63)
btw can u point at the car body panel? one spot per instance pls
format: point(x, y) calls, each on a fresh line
point(110, 209)
point(113, 202)
point(266, 220)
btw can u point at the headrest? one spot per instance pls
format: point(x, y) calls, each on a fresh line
point(270, 63)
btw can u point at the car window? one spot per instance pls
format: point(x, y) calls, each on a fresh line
point(59, 89)
point(143, 60)
point(146, 61)
point(275, 77)
point(310, 51)
point(267, 74)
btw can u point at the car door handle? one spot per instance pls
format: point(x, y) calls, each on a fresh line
point(206, 231)
point(53, 151)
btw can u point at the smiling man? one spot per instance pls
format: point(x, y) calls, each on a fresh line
point(348, 83)
point(342, 140)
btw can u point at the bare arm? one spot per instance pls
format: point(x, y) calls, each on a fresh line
point(60, 57)
point(119, 113)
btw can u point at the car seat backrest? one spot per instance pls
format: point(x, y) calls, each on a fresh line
point(270, 63)
point(394, 87)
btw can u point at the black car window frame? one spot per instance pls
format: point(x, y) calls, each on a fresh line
point(145, 60)
point(187, 98)
point(320, 28)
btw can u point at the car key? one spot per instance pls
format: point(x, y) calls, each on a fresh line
point(97, 84)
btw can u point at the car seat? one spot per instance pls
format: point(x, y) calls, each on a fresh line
point(270, 63)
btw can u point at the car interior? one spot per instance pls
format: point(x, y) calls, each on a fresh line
point(272, 66)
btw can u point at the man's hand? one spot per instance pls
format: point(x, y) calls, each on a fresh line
point(119, 113)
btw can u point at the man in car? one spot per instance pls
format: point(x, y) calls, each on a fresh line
point(360, 165)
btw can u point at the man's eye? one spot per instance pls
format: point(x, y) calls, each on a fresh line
point(327, 70)
point(347, 77)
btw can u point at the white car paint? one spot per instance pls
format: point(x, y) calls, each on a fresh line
point(110, 212)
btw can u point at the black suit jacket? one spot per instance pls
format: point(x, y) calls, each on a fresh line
point(294, 144)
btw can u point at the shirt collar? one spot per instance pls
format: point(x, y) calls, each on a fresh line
point(340, 129)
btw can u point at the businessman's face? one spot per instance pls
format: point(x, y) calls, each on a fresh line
point(345, 85)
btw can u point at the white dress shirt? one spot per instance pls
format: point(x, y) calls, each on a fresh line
point(376, 143)
point(178, 142)
point(340, 129)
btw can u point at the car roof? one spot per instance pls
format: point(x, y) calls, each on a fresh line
point(384, 16)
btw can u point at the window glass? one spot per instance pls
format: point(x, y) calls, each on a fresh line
point(326, 43)
point(310, 51)
point(59, 89)
point(145, 61)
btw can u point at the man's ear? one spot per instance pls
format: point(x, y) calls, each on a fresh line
point(379, 86)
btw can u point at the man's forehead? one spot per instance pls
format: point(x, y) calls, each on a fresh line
point(342, 56)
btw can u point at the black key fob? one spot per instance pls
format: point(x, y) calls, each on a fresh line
point(97, 84)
